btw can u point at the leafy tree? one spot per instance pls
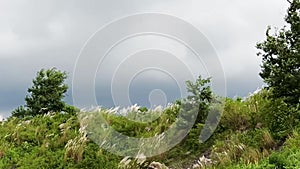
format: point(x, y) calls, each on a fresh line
point(201, 95)
point(281, 57)
point(46, 94)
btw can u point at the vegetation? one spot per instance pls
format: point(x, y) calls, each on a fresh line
point(243, 139)
point(46, 94)
point(259, 131)
point(281, 58)
point(50, 141)
point(281, 71)
point(201, 95)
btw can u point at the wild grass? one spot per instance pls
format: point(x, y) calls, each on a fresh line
point(244, 138)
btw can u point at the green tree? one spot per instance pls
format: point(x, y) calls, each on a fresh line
point(200, 95)
point(46, 94)
point(194, 111)
point(281, 58)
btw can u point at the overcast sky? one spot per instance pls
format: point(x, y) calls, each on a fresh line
point(38, 34)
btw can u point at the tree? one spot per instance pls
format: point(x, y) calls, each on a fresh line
point(281, 58)
point(196, 103)
point(46, 94)
point(201, 95)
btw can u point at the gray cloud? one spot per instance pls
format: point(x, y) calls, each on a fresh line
point(42, 34)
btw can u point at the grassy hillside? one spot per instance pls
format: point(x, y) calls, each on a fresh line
point(253, 133)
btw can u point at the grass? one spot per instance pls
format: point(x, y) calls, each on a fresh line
point(243, 139)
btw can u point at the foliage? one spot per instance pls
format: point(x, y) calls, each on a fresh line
point(46, 94)
point(236, 115)
point(288, 157)
point(247, 147)
point(281, 71)
point(201, 96)
point(259, 131)
point(20, 112)
point(49, 141)
point(281, 118)
point(281, 58)
point(57, 140)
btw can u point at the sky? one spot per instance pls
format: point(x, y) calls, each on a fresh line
point(44, 34)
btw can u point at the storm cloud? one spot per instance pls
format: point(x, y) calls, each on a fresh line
point(43, 34)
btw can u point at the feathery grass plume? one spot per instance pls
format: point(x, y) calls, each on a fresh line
point(202, 162)
point(75, 147)
point(133, 163)
point(157, 165)
point(267, 140)
point(251, 155)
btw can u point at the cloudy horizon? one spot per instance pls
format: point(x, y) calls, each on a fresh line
point(36, 35)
